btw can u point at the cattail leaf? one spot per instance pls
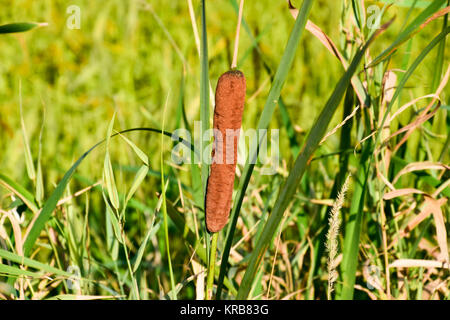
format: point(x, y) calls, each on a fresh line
point(204, 96)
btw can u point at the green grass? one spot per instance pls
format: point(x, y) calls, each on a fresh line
point(86, 176)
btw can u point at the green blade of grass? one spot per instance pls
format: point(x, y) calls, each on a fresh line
point(358, 13)
point(150, 233)
point(266, 116)
point(353, 228)
point(111, 213)
point(19, 191)
point(8, 270)
point(204, 95)
point(39, 177)
point(141, 154)
point(108, 173)
point(164, 210)
point(312, 142)
point(32, 263)
point(287, 124)
point(19, 27)
point(28, 157)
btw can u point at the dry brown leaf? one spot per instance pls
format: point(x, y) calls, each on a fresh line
point(441, 232)
point(424, 115)
point(416, 166)
point(401, 192)
point(416, 263)
point(426, 211)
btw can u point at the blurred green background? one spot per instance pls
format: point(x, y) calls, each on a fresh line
point(122, 60)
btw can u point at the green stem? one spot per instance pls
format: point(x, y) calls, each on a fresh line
point(164, 211)
point(130, 270)
point(211, 266)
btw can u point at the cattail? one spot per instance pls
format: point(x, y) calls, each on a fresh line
point(230, 98)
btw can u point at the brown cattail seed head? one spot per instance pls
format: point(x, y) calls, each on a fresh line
point(230, 98)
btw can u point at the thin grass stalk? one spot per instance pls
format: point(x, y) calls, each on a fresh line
point(164, 210)
point(236, 40)
point(211, 267)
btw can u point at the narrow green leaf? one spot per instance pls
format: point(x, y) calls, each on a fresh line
point(39, 178)
point(8, 270)
point(140, 176)
point(19, 27)
point(32, 263)
point(204, 96)
point(150, 233)
point(113, 219)
point(28, 158)
point(353, 228)
point(108, 173)
point(141, 154)
point(358, 13)
point(81, 297)
point(19, 191)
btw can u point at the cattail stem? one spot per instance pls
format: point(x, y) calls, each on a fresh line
point(211, 266)
point(236, 40)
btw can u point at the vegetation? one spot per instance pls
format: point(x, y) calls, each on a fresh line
point(93, 205)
